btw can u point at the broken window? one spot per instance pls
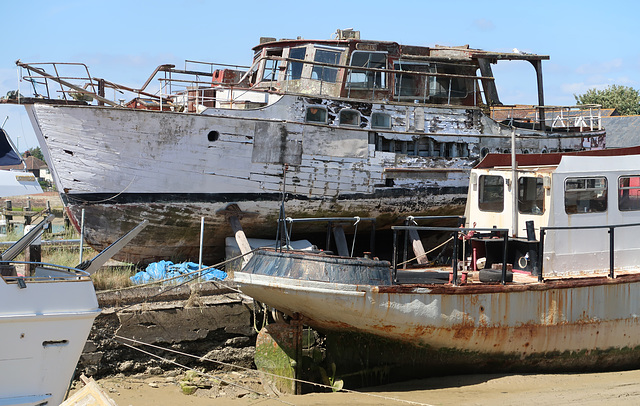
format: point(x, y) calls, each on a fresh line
point(585, 195)
point(326, 73)
point(448, 87)
point(349, 117)
point(368, 79)
point(629, 193)
point(410, 86)
point(491, 193)
point(380, 120)
point(316, 114)
point(294, 70)
point(530, 195)
point(270, 71)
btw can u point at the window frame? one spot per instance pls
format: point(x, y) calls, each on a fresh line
point(621, 189)
point(353, 69)
point(307, 110)
point(592, 202)
point(378, 113)
point(356, 112)
point(487, 205)
point(539, 189)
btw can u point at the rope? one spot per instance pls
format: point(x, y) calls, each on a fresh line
point(428, 252)
point(116, 337)
point(202, 373)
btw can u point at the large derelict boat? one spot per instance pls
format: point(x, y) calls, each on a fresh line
point(348, 126)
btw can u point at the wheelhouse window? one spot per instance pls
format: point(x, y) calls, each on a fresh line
point(449, 87)
point(629, 193)
point(380, 120)
point(585, 195)
point(316, 114)
point(349, 117)
point(491, 193)
point(361, 79)
point(294, 70)
point(326, 73)
point(530, 195)
point(270, 70)
point(411, 86)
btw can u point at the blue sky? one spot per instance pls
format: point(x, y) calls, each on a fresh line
point(591, 43)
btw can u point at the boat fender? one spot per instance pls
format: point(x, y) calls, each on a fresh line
point(494, 275)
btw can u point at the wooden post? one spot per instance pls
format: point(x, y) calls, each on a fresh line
point(33, 253)
point(8, 217)
point(241, 239)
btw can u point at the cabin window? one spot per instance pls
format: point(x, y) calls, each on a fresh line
point(443, 86)
point(294, 70)
point(349, 117)
point(325, 73)
point(380, 120)
point(585, 195)
point(368, 79)
point(629, 193)
point(530, 195)
point(316, 114)
point(409, 86)
point(491, 193)
point(270, 72)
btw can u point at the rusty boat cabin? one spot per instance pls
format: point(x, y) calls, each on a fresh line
point(558, 215)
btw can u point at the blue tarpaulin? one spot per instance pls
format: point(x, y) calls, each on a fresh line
point(162, 270)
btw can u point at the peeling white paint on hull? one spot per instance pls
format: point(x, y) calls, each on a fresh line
point(125, 165)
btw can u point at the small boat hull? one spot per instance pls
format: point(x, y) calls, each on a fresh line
point(558, 325)
point(43, 330)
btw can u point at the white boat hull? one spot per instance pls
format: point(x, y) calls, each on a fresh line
point(43, 330)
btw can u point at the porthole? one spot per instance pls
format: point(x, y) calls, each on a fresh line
point(483, 152)
point(349, 117)
point(380, 120)
point(316, 114)
point(213, 136)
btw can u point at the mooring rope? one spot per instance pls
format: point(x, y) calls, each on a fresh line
point(202, 373)
point(117, 337)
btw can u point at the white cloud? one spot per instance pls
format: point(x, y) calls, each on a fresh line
point(483, 24)
point(600, 67)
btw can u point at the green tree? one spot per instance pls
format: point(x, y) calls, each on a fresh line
point(626, 100)
point(34, 152)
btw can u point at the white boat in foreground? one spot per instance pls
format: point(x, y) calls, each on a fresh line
point(571, 302)
point(46, 314)
point(45, 320)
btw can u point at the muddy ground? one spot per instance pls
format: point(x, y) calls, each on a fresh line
point(610, 388)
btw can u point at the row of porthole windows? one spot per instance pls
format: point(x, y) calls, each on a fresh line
point(347, 117)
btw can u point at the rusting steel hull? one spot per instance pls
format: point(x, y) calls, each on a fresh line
point(556, 325)
point(125, 165)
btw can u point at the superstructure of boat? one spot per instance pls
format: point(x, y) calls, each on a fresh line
point(336, 127)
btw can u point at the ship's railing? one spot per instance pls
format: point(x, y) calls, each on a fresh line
point(610, 229)
point(586, 117)
point(334, 227)
point(45, 272)
point(455, 232)
point(72, 82)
